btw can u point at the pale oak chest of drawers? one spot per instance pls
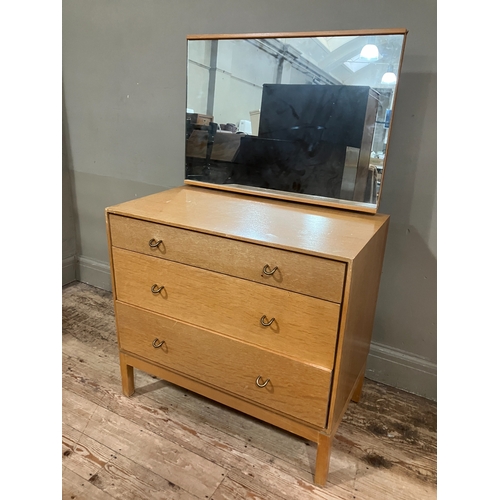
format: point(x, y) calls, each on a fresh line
point(266, 306)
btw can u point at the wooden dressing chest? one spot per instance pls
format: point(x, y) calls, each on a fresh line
point(266, 306)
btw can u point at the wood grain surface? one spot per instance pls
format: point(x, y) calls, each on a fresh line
point(292, 387)
point(297, 272)
point(304, 327)
point(168, 443)
point(373, 31)
point(320, 231)
point(279, 322)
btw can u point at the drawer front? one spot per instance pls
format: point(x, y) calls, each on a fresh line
point(294, 388)
point(314, 276)
point(303, 327)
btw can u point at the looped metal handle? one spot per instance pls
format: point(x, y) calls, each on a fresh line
point(157, 289)
point(264, 322)
point(267, 270)
point(157, 345)
point(258, 384)
point(153, 243)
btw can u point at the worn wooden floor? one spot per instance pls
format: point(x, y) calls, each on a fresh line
point(167, 443)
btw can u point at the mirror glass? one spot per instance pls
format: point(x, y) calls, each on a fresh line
point(303, 117)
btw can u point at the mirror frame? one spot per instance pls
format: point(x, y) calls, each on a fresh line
point(356, 206)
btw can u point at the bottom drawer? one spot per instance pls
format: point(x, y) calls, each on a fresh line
point(297, 389)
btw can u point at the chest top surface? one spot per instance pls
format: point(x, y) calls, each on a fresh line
point(311, 229)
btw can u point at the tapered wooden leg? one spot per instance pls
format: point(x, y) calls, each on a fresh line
point(359, 387)
point(323, 459)
point(128, 383)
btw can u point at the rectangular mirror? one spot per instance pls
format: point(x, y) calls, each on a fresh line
point(296, 116)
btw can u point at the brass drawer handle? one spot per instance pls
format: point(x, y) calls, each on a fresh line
point(267, 270)
point(157, 289)
point(262, 385)
point(157, 345)
point(264, 322)
point(153, 243)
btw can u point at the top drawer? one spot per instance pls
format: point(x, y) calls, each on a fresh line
point(306, 274)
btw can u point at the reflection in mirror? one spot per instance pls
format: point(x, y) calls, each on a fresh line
point(301, 117)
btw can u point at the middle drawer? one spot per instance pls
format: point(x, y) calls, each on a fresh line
point(299, 326)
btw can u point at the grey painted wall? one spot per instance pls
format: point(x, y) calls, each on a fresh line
point(69, 231)
point(124, 83)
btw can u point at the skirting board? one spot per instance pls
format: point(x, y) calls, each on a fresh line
point(68, 270)
point(387, 365)
point(94, 273)
point(402, 370)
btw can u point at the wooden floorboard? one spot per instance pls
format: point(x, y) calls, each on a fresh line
point(168, 443)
